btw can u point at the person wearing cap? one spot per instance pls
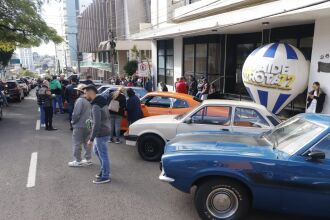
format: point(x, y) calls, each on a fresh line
point(80, 114)
point(100, 132)
point(46, 97)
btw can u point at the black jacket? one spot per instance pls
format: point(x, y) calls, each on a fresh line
point(320, 100)
point(193, 87)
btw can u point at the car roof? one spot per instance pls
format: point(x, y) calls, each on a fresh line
point(173, 94)
point(323, 119)
point(245, 104)
point(126, 87)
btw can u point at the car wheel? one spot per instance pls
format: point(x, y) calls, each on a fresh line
point(222, 200)
point(151, 147)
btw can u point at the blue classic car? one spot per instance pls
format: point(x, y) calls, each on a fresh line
point(286, 169)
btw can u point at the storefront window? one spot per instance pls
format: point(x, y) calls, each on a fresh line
point(293, 42)
point(165, 67)
point(201, 59)
point(189, 51)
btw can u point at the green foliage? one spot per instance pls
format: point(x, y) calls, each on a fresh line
point(24, 72)
point(22, 25)
point(6, 52)
point(131, 67)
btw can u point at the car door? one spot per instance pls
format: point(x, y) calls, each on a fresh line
point(156, 105)
point(179, 106)
point(249, 120)
point(207, 118)
point(307, 182)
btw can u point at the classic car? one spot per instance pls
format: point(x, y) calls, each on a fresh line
point(151, 134)
point(160, 103)
point(286, 169)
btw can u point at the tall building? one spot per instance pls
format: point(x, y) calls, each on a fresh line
point(67, 51)
point(213, 38)
point(26, 58)
point(103, 18)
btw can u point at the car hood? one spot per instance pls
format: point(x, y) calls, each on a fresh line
point(157, 120)
point(222, 143)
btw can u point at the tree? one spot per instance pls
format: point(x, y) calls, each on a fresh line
point(22, 25)
point(131, 67)
point(24, 72)
point(6, 51)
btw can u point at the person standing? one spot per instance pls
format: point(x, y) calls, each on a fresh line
point(46, 101)
point(117, 109)
point(100, 130)
point(315, 99)
point(134, 111)
point(205, 90)
point(81, 113)
point(192, 86)
point(148, 85)
point(64, 84)
point(56, 89)
point(163, 87)
point(71, 96)
point(181, 86)
point(39, 101)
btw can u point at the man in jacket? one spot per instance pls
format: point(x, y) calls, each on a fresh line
point(100, 131)
point(70, 97)
point(81, 113)
point(133, 106)
point(56, 88)
point(181, 86)
point(192, 86)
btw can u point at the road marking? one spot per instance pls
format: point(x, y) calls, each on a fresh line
point(31, 181)
point(38, 125)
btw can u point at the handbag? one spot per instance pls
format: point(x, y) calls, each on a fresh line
point(114, 106)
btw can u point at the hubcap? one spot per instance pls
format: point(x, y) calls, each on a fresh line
point(222, 203)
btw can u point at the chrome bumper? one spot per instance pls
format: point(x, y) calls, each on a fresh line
point(164, 178)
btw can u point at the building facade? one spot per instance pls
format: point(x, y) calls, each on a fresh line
point(26, 57)
point(106, 21)
point(213, 38)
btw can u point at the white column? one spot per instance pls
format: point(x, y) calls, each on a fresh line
point(178, 56)
point(321, 48)
point(154, 61)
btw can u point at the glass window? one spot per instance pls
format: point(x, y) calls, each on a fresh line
point(246, 117)
point(214, 58)
point(180, 103)
point(157, 101)
point(165, 62)
point(216, 115)
point(293, 135)
point(201, 58)
point(306, 45)
point(324, 146)
point(291, 41)
point(189, 59)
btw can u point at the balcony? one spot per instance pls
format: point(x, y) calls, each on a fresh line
point(197, 9)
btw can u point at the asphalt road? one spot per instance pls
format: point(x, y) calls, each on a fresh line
point(61, 192)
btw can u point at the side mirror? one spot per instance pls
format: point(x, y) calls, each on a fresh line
point(188, 121)
point(316, 155)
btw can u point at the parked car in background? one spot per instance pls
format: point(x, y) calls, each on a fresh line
point(24, 86)
point(286, 169)
point(150, 135)
point(13, 91)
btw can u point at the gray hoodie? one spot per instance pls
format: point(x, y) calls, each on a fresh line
point(100, 118)
point(81, 112)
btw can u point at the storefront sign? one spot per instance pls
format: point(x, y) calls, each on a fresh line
point(275, 74)
point(324, 66)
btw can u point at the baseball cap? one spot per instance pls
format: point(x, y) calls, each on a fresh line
point(90, 87)
point(80, 87)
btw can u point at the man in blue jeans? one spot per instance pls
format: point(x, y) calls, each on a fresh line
point(100, 132)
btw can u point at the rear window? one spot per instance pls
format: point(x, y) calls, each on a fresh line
point(273, 120)
point(11, 85)
point(140, 92)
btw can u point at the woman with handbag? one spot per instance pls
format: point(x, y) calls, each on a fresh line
point(117, 109)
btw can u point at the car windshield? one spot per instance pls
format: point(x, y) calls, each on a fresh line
point(292, 135)
point(11, 85)
point(140, 92)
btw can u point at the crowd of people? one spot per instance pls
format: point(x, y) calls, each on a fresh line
point(94, 119)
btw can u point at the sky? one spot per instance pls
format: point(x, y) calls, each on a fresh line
point(50, 13)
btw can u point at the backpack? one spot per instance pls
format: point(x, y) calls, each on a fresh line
point(114, 105)
point(42, 91)
point(74, 95)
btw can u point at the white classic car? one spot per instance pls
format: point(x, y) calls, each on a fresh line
point(150, 134)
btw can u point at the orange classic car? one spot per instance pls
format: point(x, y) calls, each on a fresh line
point(165, 103)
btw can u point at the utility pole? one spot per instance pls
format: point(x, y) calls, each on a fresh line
point(78, 53)
point(112, 50)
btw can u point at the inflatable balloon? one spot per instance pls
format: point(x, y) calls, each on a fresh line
point(275, 74)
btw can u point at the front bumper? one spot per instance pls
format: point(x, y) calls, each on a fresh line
point(164, 178)
point(131, 140)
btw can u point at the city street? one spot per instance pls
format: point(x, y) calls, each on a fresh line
point(61, 192)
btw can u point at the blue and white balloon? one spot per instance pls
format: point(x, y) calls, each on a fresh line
point(275, 74)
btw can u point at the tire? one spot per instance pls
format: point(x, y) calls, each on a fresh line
point(151, 147)
point(222, 199)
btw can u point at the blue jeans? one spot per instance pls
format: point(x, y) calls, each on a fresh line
point(57, 99)
point(42, 114)
point(100, 148)
point(115, 125)
point(70, 111)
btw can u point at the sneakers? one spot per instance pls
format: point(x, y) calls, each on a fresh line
point(111, 140)
point(75, 164)
point(117, 141)
point(101, 180)
point(86, 162)
point(98, 176)
point(43, 125)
